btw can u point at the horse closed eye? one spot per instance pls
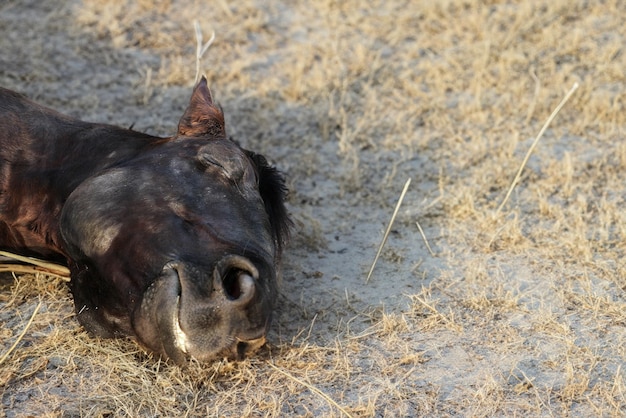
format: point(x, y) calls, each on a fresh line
point(233, 168)
point(208, 161)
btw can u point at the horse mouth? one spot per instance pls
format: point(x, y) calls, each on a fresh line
point(180, 338)
point(241, 348)
point(244, 349)
point(174, 322)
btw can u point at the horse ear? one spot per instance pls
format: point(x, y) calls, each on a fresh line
point(202, 117)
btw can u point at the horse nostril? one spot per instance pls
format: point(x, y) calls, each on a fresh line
point(237, 282)
point(236, 276)
point(230, 281)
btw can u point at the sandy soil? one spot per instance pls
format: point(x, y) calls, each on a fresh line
point(517, 312)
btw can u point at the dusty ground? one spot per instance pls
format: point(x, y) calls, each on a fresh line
point(520, 312)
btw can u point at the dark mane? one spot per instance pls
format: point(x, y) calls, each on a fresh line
point(274, 193)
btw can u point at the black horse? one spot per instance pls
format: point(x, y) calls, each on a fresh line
point(174, 241)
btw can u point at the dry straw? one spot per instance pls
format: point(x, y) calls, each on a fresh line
point(534, 144)
point(34, 266)
point(30, 321)
point(393, 218)
point(312, 389)
point(430, 250)
point(200, 48)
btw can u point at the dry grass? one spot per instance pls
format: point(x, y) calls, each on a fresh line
point(520, 313)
